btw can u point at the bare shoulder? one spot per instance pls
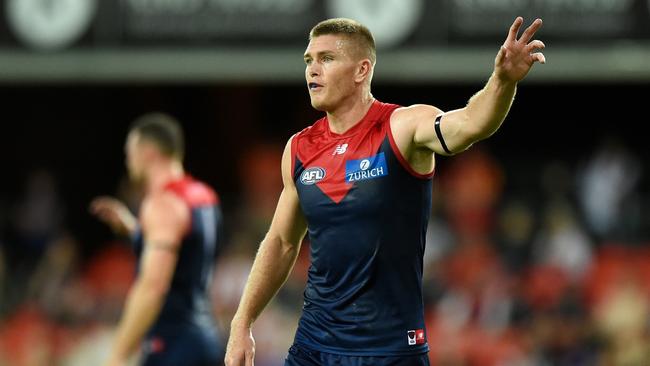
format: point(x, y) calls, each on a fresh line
point(163, 202)
point(288, 161)
point(414, 113)
point(165, 210)
point(404, 122)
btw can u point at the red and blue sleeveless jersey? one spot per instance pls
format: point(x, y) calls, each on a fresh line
point(367, 213)
point(187, 303)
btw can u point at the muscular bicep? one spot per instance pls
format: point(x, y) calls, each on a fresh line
point(444, 133)
point(289, 223)
point(165, 220)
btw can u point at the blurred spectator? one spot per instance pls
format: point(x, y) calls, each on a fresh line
point(26, 338)
point(608, 192)
point(228, 280)
point(261, 184)
point(54, 271)
point(36, 222)
point(622, 318)
point(38, 215)
point(515, 230)
point(561, 242)
point(472, 186)
point(107, 278)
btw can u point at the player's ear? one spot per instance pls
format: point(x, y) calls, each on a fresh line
point(364, 70)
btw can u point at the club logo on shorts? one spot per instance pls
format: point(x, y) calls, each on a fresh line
point(416, 337)
point(312, 175)
point(153, 345)
point(366, 168)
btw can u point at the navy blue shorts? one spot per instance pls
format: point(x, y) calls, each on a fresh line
point(301, 356)
point(187, 347)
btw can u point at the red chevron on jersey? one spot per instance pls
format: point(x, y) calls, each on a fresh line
point(323, 153)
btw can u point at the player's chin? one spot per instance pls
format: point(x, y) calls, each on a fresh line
point(318, 104)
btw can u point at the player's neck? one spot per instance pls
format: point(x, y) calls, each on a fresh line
point(162, 173)
point(349, 113)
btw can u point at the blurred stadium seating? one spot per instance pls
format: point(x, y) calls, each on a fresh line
point(538, 250)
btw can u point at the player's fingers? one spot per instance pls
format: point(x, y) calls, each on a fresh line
point(97, 209)
point(530, 31)
point(101, 209)
point(539, 57)
point(250, 359)
point(101, 202)
point(234, 361)
point(514, 29)
point(535, 45)
point(95, 204)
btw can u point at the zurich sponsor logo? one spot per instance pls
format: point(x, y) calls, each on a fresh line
point(312, 175)
point(366, 168)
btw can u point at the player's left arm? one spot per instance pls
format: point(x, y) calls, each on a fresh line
point(165, 219)
point(454, 131)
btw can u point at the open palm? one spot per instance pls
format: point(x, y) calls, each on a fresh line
point(517, 56)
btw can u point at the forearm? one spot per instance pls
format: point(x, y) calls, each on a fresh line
point(271, 267)
point(142, 308)
point(131, 225)
point(487, 109)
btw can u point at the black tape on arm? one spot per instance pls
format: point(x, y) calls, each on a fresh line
point(439, 134)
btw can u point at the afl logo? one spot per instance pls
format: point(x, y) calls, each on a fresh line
point(312, 175)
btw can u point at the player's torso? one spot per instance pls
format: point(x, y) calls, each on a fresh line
point(366, 219)
point(187, 303)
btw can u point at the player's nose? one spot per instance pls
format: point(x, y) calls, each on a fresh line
point(313, 70)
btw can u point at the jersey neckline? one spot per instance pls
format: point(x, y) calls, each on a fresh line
point(369, 116)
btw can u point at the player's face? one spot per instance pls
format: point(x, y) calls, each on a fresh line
point(330, 71)
point(134, 157)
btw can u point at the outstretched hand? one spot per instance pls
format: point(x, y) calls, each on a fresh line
point(114, 213)
point(517, 56)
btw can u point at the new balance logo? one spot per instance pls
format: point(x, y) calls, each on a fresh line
point(340, 149)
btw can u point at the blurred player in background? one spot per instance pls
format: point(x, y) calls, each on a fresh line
point(176, 235)
point(359, 181)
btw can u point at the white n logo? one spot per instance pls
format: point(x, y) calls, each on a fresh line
point(340, 149)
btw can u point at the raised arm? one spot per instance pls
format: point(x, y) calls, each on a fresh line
point(164, 219)
point(424, 126)
point(275, 258)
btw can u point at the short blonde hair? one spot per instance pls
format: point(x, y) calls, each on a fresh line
point(352, 29)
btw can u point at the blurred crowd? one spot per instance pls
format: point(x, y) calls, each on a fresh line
point(551, 273)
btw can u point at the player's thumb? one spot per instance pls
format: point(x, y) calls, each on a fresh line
point(501, 55)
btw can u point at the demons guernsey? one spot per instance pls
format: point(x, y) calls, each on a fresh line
point(186, 318)
point(367, 212)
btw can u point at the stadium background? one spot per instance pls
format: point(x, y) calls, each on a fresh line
point(538, 249)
